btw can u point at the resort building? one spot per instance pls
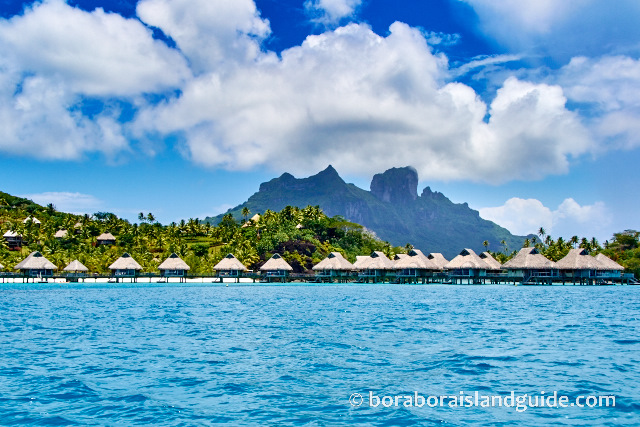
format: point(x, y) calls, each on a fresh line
point(415, 267)
point(611, 269)
point(230, 266)
point(174, 266)
point(438, 259)
point(467, 267)
point(13, 239)
point(374, 268)
point(1, 267)
point(580, 267)
point(35, 221)
point(36, 265)
point(106, 239)
point(60, 234)
point(125, 266)
point(75, 269)
point(531, 267)
point(333, 267)
point(276, 269)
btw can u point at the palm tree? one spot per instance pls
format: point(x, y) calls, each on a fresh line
point(486, 245)
point(245, 213)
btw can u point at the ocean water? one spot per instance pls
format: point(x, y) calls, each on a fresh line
point(294, 355)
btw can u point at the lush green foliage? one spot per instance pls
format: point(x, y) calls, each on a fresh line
point(302, 236)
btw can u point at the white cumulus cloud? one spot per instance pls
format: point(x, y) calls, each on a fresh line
point(526, 216)
point(330, 12)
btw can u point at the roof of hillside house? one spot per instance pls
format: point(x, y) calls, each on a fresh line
point(1, 266)
point(11, 234)
point(32, 219)
point(489, 259)
point(60, 234)
point(579, 259)
point(35, 261)
point(334, 261)
point(174, 262)
point(276, 262)
point(415, 259)
point(438, 259)
point(106, 236)
point(529, 259)
point(75, 265)
point(125, 262)
point(608, 263)
point(230, 263)
point(376, 261)
point(468, 259)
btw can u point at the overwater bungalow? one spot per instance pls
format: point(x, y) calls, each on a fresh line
point(276, 269)
point(580, 267)
point(60, 234)
point(333, 267)
point(495, 273)
point(530, 267)
point(13, 239)
point(375, 268)
point(125, 266)
point(106, 239)
point(174, 266)
point(415, 267)
point(611, 270)
point(36, 265)
point(438, 259)
point(75, 269)
point(467, 267)
point(231, 267)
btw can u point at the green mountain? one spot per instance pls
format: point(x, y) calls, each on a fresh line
point(392, 209)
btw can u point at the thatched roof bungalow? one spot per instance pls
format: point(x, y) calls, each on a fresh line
point(491, 261)
point(529, 265)
point(438, 259)
point(374, 267)
point(36, 265)
point(173, 266)
point(34, 220)
point(60, 234)
point(106, 239)
point(230, 266)
point(608, 264)
point(125, 266)
point(13, 239)
point(276, 268)
point(467, 265)
point(76, 266)
point(415, 264)
point(578, 264)
point(334, 265)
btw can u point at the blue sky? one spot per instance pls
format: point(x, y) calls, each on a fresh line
point(528, 110)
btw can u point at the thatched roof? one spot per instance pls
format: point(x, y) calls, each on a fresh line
point(489, 259)
point(174, 262)
point(579, 259)
point(106, 236)
point(1, 266)
point(376, 261)
point(35, 261)
point(334, 261)
point(438, 259)
point(229, 263)
point(398, 257)
point(608, 263)
point(60, 234)
point(468, 259)
point(529, 259)
point(276, 263)
point(360, 261)
point(11, 234)
point(32, 219)
point(417, 260)
point(75, 265)
point(125, 262)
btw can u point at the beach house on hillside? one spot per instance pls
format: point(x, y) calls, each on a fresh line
point(276, 269)
point(106, 239)
point(13, 239)
point(333, 267)
point(530, 266)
